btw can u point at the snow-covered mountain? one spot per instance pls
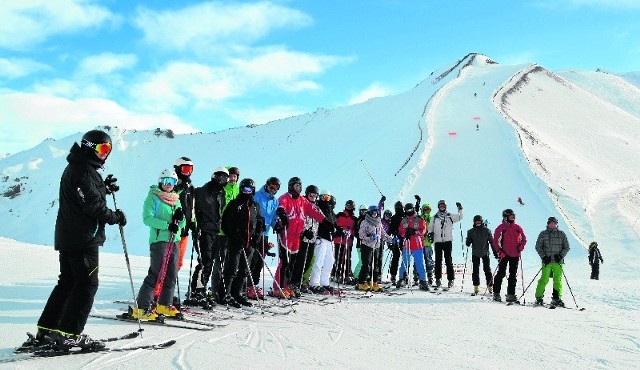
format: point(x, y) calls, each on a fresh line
point(476, 131)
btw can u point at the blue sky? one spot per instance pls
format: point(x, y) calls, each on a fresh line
point(67, 66)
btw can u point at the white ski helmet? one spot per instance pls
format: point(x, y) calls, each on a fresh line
point(169, 172)
point(183, 160)
point(325, 191)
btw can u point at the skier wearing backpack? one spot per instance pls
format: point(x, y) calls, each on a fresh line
point(242, 224)
point(508, 243)
point(552, 246)
point(441, 233)
point(164, 216)
point(412, 228)
point(372, 236)
point(479, 238)
point(595, 259)
point(79, 233)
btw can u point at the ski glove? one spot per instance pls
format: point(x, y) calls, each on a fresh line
point(173, 228)
point(557, 257)
point(374, 237)
point(409, 233)
point(278, 228)
point(178, 215)
point(430, 236)
point(459, 206)
point(339, 231)
point(111, 184)
point(308, 234)
point(122, 219)
point(383, 199)
point(546, 260)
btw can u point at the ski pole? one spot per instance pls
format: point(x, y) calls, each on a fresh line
point(492, 277)
point(524, 300)
point(371, 177)
point(162, 274)
point(194, 247)
point(464, 272)
point(126, 257)
point(532, 280)
point(278, 284)
point(405, 262)
point(571, 291)
point(246, 261)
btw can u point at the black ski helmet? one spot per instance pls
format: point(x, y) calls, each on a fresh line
point(372, 209)
point(350, 203)
point(90, 139)
point(311, 189)
point(477, 218)
point(290, 185)
point(248, 183)
point(234, 171)
point(398, 206)
point(507, 212)
point(387, 213)
point(273, 181)
point(408, 208)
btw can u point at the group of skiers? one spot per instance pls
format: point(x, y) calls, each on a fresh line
point(230, 221)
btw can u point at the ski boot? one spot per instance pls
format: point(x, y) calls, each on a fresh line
point(243, 301)
point(363, 286)
point(169, 311)
point(376, 287)
point(423, 285)
point(511, 298)
point(83, 341)
point(496, 297)
point(539, 301)
point(142, 314)
point(557, 302)
point(450, 285)
point(476, 289)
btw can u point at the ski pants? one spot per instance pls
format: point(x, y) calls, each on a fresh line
point(212, 252)
point(285, 263)
point(595, 271)
point(396, 251)
point(368, 257)
point(257, 261)
point(70, 302)
point(486, 268)
point(322, 264)
point(550, 268)
point(428, 263)
point(157, 253)
point(418, 258)
point(502, 271)
point(342, 259)
point(301, 262)
point(444, 248)
point(378, 254)
point(236, 269)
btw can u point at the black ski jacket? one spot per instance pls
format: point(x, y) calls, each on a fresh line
point(242, 221)
point(209, 203)
point(186, 190)
point(327, 230)
point(83, 211)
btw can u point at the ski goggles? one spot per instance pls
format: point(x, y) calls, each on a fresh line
point(186, 169)
point(246, 190)
point(325, 197)
point(312, 195)
point(168, 181)
point(101, 148)
point(274, 187)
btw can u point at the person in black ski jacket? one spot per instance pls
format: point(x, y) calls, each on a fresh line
point(595, 259)
point(242, 223)
point(209, 203)
point(397, 241)
point(479, 239)
point(184, 168)
point(79, 233)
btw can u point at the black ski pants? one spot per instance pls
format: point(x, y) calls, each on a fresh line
point(212, 253)
point(502, 271)
point(595, 271)
point(440, 249)
point(257, 261)
point(486, 268)
point(236, 269)
point(396, 251)
point(70, 302)
point(341, 271)
point(367, 256)
point(301, 261)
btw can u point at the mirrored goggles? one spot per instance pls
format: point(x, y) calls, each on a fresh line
point(168, 181)
point(101, 148)
point(186, 169)
point(246, 190)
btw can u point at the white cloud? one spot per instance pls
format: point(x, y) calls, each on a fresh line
point(12, 68)
point(212, 23)
point(106, 63)
point(24, 114)
point(372, 91)
point(26, 23)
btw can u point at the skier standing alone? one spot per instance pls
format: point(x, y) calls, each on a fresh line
point(79, 233)
point(595, 259)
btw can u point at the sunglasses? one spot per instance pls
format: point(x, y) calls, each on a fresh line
point(274, 187)
point(186, 169)
point(247, 190)
point(102, 148)
point(168, 181)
